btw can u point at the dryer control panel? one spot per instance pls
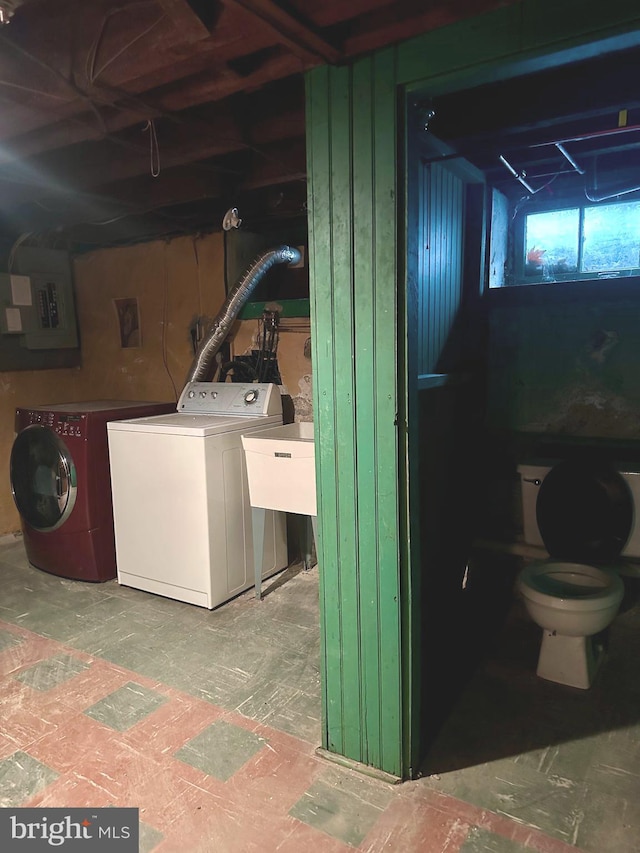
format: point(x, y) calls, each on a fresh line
point(62, 424)
point(250, 399)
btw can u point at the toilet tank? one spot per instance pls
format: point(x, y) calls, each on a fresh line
point(531, 477)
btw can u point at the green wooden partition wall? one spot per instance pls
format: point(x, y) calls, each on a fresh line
point(352, 189)
point(361, 348)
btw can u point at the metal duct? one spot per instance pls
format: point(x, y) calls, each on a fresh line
point(209, 346)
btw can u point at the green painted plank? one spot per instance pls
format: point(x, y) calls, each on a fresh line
point(365, 348)
point(321, 296)
point(369, 587)
point(364, 716)
point(345, 446)
point(458, 46)
point(544, 24)
point(393, 693)
point(410, 357)
point(530, 35)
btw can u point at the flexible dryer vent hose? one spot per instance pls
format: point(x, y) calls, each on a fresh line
point(201, 367)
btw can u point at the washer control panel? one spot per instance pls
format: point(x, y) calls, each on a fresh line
point(230, 398)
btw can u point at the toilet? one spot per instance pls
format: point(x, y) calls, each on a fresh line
point(581, 514)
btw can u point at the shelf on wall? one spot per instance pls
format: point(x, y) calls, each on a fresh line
point(285, 307)
point(437, 380)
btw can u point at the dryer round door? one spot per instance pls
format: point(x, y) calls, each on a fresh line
point(43, 478)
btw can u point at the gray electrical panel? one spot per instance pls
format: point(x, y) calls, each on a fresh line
point(38, 326)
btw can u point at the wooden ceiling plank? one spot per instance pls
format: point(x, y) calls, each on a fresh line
point(327, 13)
point(179, 185)
point(192, 182)
point(187, 183)
point(46, 57)
point(280, 125)
point(185, 19)
point(176, 97)
point(66, 72)
point(235, 34)
point(16, 122)
point(277, 164)
point(201, 88)
point(25, 117)
point(161, 60)
point(79, 169)
point(207, 57)
point(299, 37)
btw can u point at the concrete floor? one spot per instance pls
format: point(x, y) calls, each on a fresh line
point(563, 760)
point(208, 722)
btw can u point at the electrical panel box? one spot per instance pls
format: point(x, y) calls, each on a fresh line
point(37, 311)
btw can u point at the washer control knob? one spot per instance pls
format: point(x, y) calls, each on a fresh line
point(251, 396)
point(191, 395)
point(214, 394)
point(203, 394)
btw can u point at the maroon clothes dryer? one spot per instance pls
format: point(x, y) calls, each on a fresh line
point(61, 484)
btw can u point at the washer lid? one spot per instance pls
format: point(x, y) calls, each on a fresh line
point(194, 425)
point(584, 511)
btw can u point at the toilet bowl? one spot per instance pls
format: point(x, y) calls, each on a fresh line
point(571, 602)
point(583, 514)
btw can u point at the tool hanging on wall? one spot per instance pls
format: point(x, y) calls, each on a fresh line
point(262, 364)
point(268, 339)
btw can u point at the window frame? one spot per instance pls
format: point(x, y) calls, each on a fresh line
point(519, 249)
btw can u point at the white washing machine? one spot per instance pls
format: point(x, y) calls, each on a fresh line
point(180, 495)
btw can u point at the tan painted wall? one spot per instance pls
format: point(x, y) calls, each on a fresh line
point(174, 282)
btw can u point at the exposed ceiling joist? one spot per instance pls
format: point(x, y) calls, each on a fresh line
point(182, 185)
point(173, 100)
point(276, 164)
point(189, 22)
point(83, 87)
point(331, 12)
point(299, 37)
point(211, 133)
point(562, 128)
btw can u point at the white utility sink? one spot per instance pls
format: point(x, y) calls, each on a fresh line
point(281, 468)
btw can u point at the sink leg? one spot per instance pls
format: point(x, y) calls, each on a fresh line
point(311, 530)
point(257, 519)
point(314, 528)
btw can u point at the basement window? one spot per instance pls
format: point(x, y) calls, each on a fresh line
point(581, 242)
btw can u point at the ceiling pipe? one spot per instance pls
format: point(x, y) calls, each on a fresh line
point(569, 158)
point(593, 194)
point(518, 177)
point(584, 137)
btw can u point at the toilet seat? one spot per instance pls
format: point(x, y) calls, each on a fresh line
point(569, 586)
point(584, 511)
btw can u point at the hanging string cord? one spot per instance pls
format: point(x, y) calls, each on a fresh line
point(154, 148)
